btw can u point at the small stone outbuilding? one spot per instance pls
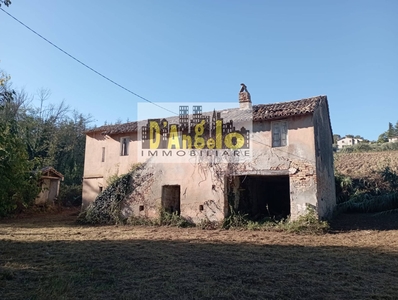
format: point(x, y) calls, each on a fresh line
point(50, 180)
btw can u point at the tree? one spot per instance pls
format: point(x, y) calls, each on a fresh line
point(391, 130)
point(41, 127)
point(35, 137)
point(18, 185)
point(382, 138)
point(336, 137)
point(70, 147)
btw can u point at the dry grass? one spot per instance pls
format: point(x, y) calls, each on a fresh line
point(50, 257)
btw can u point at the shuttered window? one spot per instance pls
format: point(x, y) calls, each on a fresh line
point(279, 134)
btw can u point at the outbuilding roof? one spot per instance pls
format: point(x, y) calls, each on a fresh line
point(51, 172)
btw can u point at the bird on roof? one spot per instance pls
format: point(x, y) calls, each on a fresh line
point(243, 88)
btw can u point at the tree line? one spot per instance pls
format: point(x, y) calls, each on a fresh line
point(391, 132)
point(34, 137)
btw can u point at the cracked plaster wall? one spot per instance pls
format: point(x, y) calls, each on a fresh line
point(203, 185)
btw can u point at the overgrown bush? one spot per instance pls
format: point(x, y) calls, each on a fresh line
point(390, 177)
point(235, 220)
point(370, 200)
point(173, 219)
point(365, 203)
point(106, 209)
point(18, 184)
point(308, 224)
point(70, 195)
point(305, 224)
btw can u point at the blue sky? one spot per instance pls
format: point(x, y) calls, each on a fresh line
point(200, 51)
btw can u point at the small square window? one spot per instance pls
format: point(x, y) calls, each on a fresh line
point(279, 134)
point(124, 146)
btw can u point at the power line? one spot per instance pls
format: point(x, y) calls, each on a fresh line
point(85, 65)
point(119, 85)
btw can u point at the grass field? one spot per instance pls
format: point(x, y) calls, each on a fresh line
point(50, 257)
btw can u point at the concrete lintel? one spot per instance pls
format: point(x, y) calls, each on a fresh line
point(52, 177)
point(263, 172)
point(93, 176)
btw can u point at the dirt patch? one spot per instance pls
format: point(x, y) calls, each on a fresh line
point(50, 257)
point(366, 165)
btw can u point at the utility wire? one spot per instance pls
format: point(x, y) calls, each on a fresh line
point(117, 84)
point(87, 66)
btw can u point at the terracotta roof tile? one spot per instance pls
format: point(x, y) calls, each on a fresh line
point(115, 129)
point(286, 109)
point(260, 112)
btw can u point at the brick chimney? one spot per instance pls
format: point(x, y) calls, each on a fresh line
point(245, 101)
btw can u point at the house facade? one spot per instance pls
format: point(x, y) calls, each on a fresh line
point(347, 141)
point(393, 139)
point(289, 170)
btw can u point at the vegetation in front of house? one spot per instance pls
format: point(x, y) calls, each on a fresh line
point(376, 193)
point(308, 223)
point(106, 208)
point(165, 219)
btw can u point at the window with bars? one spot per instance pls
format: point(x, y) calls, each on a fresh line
point(279, 134)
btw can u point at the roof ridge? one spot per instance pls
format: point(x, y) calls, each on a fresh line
point(270, 111)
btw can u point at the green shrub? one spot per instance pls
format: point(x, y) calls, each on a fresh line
point(70, 195)
point(173, 219)
point(308, 223)
point(235, 220)
point(141, 221)
point(390, 176)
point(305, 224)
point(365, 203)
point(106, 209)
point(360, 198)
point(206, 224)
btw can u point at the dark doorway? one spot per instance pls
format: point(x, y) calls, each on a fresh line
point(171, 198)
point(260, 197)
